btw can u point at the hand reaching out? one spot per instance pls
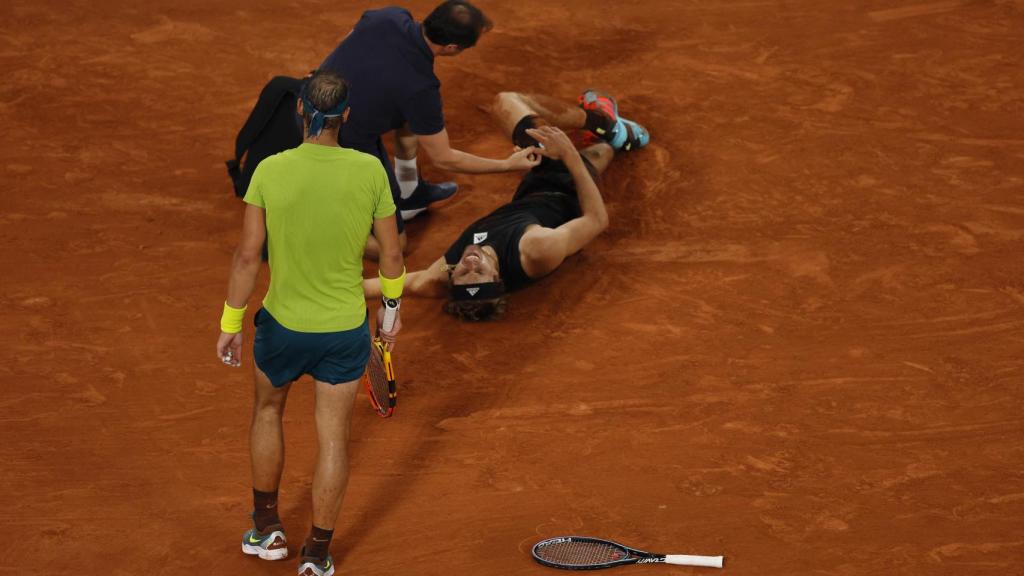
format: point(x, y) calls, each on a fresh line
point(524, 159)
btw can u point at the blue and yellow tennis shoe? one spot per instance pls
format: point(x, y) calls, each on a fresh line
point(270, 544)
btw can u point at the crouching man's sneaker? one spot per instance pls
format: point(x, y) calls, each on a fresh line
point(426, 193)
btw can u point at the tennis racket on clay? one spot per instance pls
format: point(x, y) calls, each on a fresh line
point(379, 378)
point(584, 553)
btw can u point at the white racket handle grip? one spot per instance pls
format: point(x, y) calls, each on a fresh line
point(389, 318)
point(686, 560)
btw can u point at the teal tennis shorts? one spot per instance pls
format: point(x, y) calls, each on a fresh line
point(285, 355)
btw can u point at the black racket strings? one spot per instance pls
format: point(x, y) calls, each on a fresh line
point(575, 553)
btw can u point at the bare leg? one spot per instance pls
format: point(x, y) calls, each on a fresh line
point(510, 107)
point(406, 144)
point(600, 156)
point(330, 479)
point(372, 250)
point(266, 436)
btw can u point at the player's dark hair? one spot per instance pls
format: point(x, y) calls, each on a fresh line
point(456, 22)
point(477, 310)
point(324, 90)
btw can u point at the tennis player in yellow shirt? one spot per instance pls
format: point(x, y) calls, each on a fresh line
point(316, 205)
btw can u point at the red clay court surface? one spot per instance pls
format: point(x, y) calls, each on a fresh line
point(800, 344)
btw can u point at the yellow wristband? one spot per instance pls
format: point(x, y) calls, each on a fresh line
point(392, 287)
point(231, 319)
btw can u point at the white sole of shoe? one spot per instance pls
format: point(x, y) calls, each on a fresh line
point(410, 214)
point(310, 569)
point(264, 554)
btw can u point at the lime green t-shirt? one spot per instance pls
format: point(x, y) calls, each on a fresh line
point(320, 204)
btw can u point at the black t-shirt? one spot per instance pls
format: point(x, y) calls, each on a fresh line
point(503, 228)
point(390, 72)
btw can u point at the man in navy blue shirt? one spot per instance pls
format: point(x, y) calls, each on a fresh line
point(388, 62)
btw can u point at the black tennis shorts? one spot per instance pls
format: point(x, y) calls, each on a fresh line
point(550, 175)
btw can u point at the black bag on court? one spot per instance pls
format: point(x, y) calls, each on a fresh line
point(272, 127)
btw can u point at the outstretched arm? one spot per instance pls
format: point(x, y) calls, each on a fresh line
point(431, 282)
point(544, 249)
point(445, 157)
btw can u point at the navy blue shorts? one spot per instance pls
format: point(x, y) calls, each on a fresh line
point(285, 355)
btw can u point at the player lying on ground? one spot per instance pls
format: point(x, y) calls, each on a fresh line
point(554, 213)
point(315, 203)
point(388, 58)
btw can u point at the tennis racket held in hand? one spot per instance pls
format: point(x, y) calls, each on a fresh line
point(585, 553)
point(380, 372)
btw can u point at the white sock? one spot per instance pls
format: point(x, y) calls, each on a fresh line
point(408, 175)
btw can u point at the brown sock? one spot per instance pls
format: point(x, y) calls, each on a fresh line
point(264, 505)
point(318, 543)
